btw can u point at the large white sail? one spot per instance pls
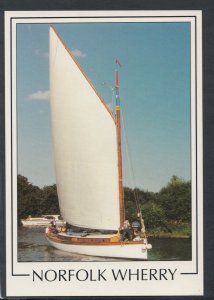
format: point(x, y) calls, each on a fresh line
point(85, 145)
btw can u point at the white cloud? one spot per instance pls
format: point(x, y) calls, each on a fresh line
point(40, 96)
point(78, 53)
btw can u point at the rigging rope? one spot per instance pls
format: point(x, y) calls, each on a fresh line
point(130, 165)
point(89, 68)
point(136, 198)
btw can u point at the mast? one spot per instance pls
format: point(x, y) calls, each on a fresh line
point(118, 125)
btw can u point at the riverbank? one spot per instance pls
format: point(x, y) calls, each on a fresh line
point(172, 230)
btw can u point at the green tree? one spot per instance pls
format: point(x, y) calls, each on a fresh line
point(154, 216)
point(130, 204)
point(147, 203)
point(29, 198)
point(175, 199)
point(50, 202)
point(35, 201)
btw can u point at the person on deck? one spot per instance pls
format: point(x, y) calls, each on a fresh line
point(136, 227)
point(126, 231)
point(53, 223)
point(136, 230)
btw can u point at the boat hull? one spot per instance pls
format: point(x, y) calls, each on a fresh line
point(128, 250)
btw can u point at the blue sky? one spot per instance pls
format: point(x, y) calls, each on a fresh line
point(154, 91)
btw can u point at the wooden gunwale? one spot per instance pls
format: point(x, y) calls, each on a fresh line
point(89, 241)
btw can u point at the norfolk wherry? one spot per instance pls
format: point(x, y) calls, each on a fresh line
point(88, 163)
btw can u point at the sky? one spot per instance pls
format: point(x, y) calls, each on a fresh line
point(154, 91)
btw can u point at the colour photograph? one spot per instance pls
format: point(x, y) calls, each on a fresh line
point(106, 148)
point(103, 138)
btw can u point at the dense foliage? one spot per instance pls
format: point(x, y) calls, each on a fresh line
point(175, 199)
point(35, 201)
point(171, 205)
point(166, 209)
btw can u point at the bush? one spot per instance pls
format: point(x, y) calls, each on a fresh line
point(154, 216)
point(175, 199)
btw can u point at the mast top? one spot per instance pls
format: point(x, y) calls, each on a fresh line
point(118, 63)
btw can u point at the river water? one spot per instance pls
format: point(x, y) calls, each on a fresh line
point(33, 246)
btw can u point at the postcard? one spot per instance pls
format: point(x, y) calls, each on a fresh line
point(104, 169)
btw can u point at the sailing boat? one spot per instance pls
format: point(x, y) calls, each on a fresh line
point(87, 151)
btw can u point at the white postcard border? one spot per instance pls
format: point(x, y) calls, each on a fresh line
point(189, 279)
